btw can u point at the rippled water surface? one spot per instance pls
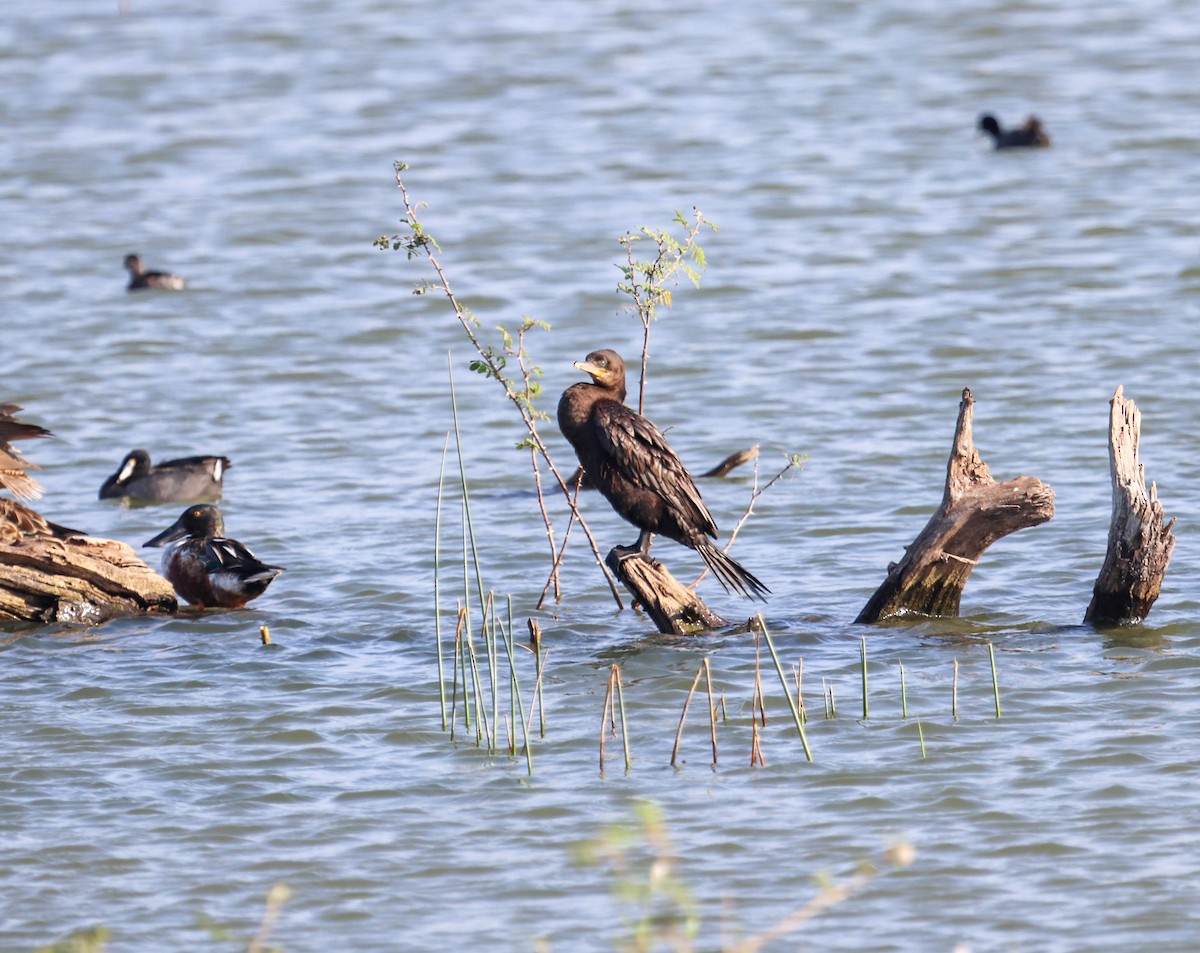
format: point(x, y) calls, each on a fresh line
point(874, 257)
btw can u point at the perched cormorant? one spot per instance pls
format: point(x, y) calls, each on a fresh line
point(628, 460)
point(12, 465)
point(186, 480)
point(140, 279)
point(1029, 135)
point(207, 569)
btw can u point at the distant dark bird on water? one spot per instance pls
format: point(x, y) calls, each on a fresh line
point(1029, 135)
point(206, 569)
point(140, 279)
point(186, 480)
point(629, 461)
point(12, 465)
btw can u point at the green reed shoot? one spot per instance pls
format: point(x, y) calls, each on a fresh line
point(518, 706)
point(921, 735)
point(624, 723)
point(903, 694)
point(862, 640)
point(462, 471)
point(786, 690)
point(683, 715)
point(437, 591)
point(995, 683)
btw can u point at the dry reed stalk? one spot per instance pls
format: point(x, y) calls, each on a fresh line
point(683, 715)
point(712, 712)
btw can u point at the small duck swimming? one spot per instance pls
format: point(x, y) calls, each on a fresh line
point(140, 279)
point(206, 569)
point(186, 480)
point(1030, 135)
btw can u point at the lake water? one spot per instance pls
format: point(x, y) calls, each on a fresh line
point(874, 257)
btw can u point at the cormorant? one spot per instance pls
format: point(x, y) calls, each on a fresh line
point(140, 279)
point(1029, 135)
point(186, 480)
point(629, 461)
point(207, 569)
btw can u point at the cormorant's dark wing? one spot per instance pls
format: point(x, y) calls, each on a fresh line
point(642, 455)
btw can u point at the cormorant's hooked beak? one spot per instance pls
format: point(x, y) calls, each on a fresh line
point(595, 371)
point(173, 532)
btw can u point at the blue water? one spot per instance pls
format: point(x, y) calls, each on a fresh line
point(873, 258)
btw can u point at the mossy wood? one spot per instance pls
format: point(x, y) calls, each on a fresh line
point(1139, 539)
point(675, 609)
point(79, 580)
point(975, 512)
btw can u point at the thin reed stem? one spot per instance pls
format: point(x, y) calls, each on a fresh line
point(862, 640)
point(786, 690)
point(624, 723)
point(921, 735)
point(682, 717)
point(995, 683)
point(437, 593)
point(517, 705)
point(605, 718)
point(712, 711)
point(954, 693)
point(903, 694)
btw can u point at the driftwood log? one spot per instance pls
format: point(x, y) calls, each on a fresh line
point(674, 608)
point(80, 579)
point(975, 512)
point(1139, 540)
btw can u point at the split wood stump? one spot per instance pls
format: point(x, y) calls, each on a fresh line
point(975, 512)
point(81, 580)
point(1139, 540)
point(674, 608)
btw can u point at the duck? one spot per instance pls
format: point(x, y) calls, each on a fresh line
point(207, 569)
point(140, 279)
point(185, 480)
point(1030, 135)
point(19, 523)
point(13, 467)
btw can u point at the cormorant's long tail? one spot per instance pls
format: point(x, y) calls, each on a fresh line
point(731, 574)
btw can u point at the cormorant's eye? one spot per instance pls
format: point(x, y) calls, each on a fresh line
point(603, 362)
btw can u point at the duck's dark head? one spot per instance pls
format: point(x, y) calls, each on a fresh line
point(136, 463)
point(202, 521)
point(605, 368)
point(133, 264)
point(989, 124)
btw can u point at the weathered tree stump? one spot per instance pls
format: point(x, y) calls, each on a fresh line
point(79, 580)
point(975, 512)
point(674, 608)
point(1139, 540)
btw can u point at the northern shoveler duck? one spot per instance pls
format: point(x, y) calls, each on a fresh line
point(206, 569)
point(186, 480)
point(140, 279)
point(12, 465)
point(1030, 135)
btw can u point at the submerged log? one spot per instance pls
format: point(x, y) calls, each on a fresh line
point(1139, 540)
point(732, 462)
point(975, 512)
point(675, 609)
point(80, 579)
